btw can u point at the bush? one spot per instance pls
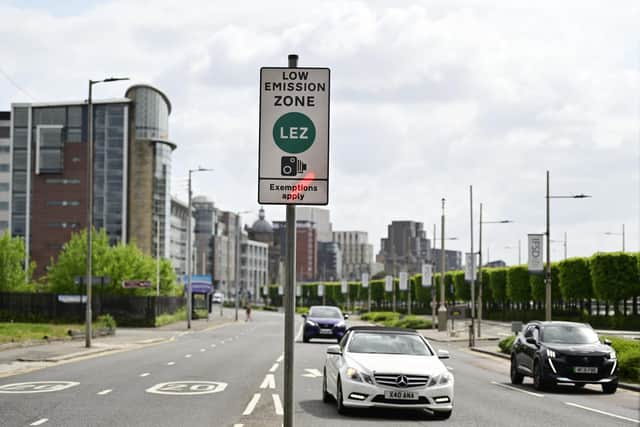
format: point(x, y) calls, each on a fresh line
point(506, 344)
point(106, 321)
point(302, 310)
point(411, 322)
point(628, 358)
point(380, 316)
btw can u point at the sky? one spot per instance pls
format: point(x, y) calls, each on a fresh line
point(428, 98)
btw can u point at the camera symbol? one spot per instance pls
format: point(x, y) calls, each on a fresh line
point(291, 166)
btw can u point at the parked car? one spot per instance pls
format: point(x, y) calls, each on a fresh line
point(375, 366)
point(218, 298)
point(324, 321)
point(563, 352)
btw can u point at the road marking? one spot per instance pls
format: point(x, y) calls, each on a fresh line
point(171, 363)
point(252, 404)
point(187, 388)
point(187, 356)
point(299, 334)
point(518, 389)
point(449, 368)
point(312, 373)
point(274, 367)
point(586, 408)
point(202, 350)
point(213, 346)
point(238, 425)
point(39, 422)
point(103, 392)
point(268, 382)
point(145, 374)
point(37, 387)
point(278, 404)
point(281, 358)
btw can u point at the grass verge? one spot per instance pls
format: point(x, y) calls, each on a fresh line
point(20, 332)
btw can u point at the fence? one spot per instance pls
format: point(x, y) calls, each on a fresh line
point(126, 310)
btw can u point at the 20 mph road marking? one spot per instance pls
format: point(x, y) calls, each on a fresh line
point(40, 421)
point(252, 404)
point(103, 392)
point(269, 382)
point(586, 408)
point(517, 389)
point(278, 404)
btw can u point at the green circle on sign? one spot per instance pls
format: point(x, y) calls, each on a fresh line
point(294, 133)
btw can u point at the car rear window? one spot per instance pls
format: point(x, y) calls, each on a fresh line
point(326, 312)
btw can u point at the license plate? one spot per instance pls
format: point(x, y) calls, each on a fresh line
point(585, 370)
point(326, 331)
point(401, 395)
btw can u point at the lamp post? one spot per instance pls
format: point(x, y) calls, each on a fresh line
point(609, 233)
point(237, 269)
point(442, 310)
point(189, 248)
point(433, 277)
point(504, 221)
point(547, 272)
point(89, 273)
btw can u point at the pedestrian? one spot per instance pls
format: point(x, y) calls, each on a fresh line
point(248, 312)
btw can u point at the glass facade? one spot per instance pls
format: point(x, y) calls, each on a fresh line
point(152, 114)
point(19, 195)
point(162, 196)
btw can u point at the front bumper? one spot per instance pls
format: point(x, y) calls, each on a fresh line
point(561, 370)
point(310, 331)
point(364, 395)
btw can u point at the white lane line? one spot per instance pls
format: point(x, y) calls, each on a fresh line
point(103, 392)
point(145, 374)
point(278, 404)
point(517, 389)
point(274, 367)
point(252, 404)
point(299, 334)
point(586, 408)
point(202, 350)
point(171, 363)
point(39, 422)
point(213, 346)
point(280, 359)
point(450, 368)
point(187, 356)
point(238, 425)
point(268, 382)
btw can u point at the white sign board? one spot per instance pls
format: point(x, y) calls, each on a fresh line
point(536, 263)
point(265, 291)
point(427, 274)
point(403, 281)
point(293, 158)
point(388, 284)
point(298, 291)
point(280, 290)
point(469, 267)
point(320, 290)
point(365, 280)
point(343, 286)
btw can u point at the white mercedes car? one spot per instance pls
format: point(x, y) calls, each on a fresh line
point(387, 367)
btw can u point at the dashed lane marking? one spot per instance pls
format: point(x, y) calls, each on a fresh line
point(145, 374)
point(274, 367)
point(586, 408)
point(103, 392)
point(281, 358)
point(268, 382)
point(39, 422)
point(252, 404)
point(312, 373)
point(238, 425)
point(202, 350)
point(171, 363)
point(277, 404)
point(517, 389)
point(213, 346)
point(187, 356)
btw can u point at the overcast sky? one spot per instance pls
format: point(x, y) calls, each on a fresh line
point(427, 97)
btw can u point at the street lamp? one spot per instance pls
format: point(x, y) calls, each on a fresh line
point(433, 261)
point(547, 272)
point(237, 269)
point(504, 221)
point(189, 248)
point(89, 273)
point(442, 310)
point(519, 251)
point(609, 233)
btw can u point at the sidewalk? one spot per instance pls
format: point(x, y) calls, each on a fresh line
point(491, 334)
point(24, 357)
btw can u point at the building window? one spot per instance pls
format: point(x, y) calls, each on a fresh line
point(63, 225)
point(49, 149)
point(62, 181)
point(63, 203)
point(4, 186)
point(4, 148)
point(4, 206)
point(4, 167)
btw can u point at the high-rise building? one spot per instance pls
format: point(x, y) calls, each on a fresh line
point(452, 259)
point(224, 250)
point(357, 253)
point(5, 175)
point(178, 237)
point(320, 219)
point(254, 263)
point(131, 172)
point(205, 225)
point(306, 248)
point(329, 261)
point(405, 248)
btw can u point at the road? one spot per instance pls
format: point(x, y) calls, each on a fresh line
point(232, 376)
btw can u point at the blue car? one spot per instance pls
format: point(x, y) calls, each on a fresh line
point(324, 321)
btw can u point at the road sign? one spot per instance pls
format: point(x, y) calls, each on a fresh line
point(36, 387)
point(536, 264)
point(135, 284)
point(293, 154)
point(187, 388)
point(320, 290)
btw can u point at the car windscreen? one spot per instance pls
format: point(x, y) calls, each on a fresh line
point(568, 334)
point(325, 312)
point(388, 343)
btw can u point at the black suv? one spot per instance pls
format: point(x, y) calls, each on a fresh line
point(563, 352)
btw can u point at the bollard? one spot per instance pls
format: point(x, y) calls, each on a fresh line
point(472, 340)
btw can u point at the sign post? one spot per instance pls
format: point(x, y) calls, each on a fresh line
point(293, 168)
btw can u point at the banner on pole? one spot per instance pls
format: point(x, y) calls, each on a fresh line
point(280, 290)
point(427, 275)
point(343, 286)
point(403, 281)
point(320, 290)
point(265, 291)
point(298, 291)
point(388, 283)
point(470, 267)
point(536, 263)
point(365, 280)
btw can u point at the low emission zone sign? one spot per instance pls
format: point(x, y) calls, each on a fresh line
point(293, 154)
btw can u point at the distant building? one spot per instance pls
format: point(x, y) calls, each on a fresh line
point(205, 225)
point(262, 231)
point(496, 263)
point(178, 236)
point(320, 219)
point(227, 234)
point(329, 261)
point(254, 263)
point(5, 172)
point(405, 248)
point(357, 253)
point(453, 259)
point(306, 248)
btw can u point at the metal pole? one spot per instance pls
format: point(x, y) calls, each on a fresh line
point(88, 314)
point(433, 282)
point(237, 269)
point(519, 254)
point(480, 275)
point(547, 281)
point(623, 238)
point(565, 245)
point(189, 256)
point(473, 259)
point(442, 310)
point(289, 303)
point(158, 257)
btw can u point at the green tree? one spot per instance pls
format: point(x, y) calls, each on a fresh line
point(462, 287)
point(538, 286)
point(498, 283)
point(575, 279)
point(614, 276)
point(13, 278)
point(518, 286)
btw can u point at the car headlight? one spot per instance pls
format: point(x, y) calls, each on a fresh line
point(341, 324)
point(441, 379)
point(613, 355)
point(311, 323)
point(353, 374)
point(551, 353)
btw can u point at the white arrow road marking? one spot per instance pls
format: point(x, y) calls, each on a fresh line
point(278, 404)
point(281, 358)
point(274, 367)
point(252, 404)
point(103, 392)
point(312, 373)
point(602, 412)
point(269, 382)
point(40, 421)
point(518, 389)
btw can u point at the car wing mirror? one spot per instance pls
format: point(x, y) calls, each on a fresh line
point(443, 354)
point(532, 340)
point(334, 349)
point(346, 316)
point(607, 341)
